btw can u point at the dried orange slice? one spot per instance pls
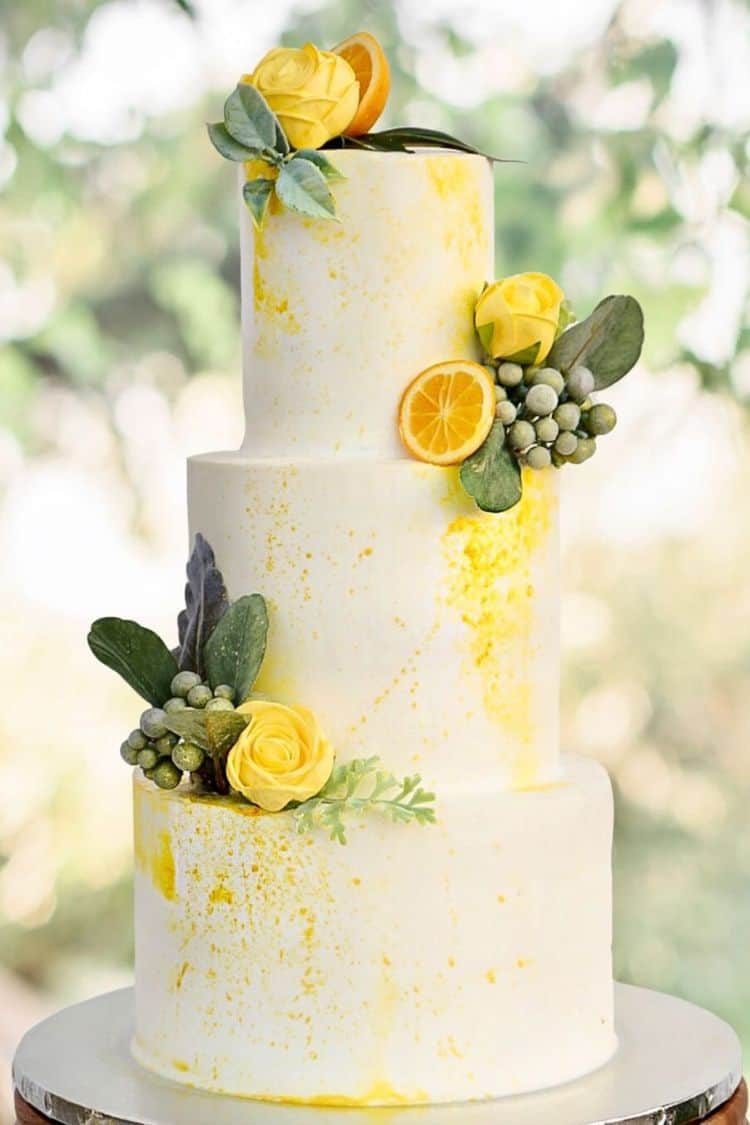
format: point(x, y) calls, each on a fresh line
point(447, 412)
point(367, 59)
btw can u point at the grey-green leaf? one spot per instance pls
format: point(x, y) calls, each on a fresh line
point(330, 171)
point(525, 356)
point(492, 475)
point(189, 724)
point(227, 146)
point(302, 187)
point(235, 649)
point(136, 654)
point(248, 118)
point(223, 728)
point(214, 731)
point(608, 342)
point(205, 603)
point(257, 194)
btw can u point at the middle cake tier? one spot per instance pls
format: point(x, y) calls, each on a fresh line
point(416, 627)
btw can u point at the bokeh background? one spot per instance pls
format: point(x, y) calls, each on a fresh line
point(119, 356)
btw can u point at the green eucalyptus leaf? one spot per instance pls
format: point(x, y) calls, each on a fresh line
point(214, 731)
point(608, 342)
point(566, 318)
point(235, 650)
point(223, 728)
point(190, 724)
point(302, 187)
point(330, 171)
point(136, 654)
point(248, 118)
point(485, 333)
point(227, 146)
point(257, 194)
point(492, 475)
point(524, 357)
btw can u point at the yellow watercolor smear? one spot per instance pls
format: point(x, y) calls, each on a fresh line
point(379, 1093)
point(490, 585)
point(163, 869)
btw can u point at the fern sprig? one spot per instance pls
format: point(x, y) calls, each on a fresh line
point(358, 787)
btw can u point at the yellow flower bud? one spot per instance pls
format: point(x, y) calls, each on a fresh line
point(314, 94)
point(281, 756)
point(518, 313)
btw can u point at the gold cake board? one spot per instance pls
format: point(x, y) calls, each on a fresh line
point(677, 1064)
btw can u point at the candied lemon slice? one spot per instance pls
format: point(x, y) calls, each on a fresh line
point(447, 412)
point(367, 59)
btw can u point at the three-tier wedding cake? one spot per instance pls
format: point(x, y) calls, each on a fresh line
point(395, 508)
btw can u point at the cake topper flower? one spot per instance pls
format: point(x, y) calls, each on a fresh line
point(298, 100)
point(205, 720)
point(529, 404)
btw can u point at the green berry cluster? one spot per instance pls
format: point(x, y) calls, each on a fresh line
point(163, 756)
point(548, 416)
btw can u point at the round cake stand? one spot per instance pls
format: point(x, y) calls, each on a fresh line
point(676, 1064)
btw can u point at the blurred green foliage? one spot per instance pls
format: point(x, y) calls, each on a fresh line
point(132, 249)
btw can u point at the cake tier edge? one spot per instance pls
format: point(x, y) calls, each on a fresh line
point(416, 964)
point(416, 627)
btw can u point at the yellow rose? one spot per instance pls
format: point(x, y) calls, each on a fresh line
point(281, 756)
point(314, 94)
point(518, 313)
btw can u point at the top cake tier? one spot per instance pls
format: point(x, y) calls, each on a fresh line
point(338, 317)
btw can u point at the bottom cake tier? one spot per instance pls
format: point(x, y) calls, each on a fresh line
point(470, 959)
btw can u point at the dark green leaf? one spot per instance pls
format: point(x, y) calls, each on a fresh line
point(408, 137)
point(608, 342)
point(302, 187)
point(235, 649)
point(136, 654)
point(248, 118)
point(227, 146)
point(257, 194)
point(205, 604)
point(330, 171)
point(491, 475)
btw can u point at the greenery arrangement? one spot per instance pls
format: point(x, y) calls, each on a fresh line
point(545, 415)
point(319, 98)
point(529, 402)
point(204, 719)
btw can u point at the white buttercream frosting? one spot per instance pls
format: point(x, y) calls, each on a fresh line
point(338, 317)
point(469, 959)
point(415, 626)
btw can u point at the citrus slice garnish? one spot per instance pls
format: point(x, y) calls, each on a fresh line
point(367, 59)
point(447, 412)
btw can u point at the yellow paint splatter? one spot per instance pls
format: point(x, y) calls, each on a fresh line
point(221, 893)
point(490, 585)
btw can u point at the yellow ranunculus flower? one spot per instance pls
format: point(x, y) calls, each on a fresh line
point(314, 94)
point(517, 313)
point(281, 756)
